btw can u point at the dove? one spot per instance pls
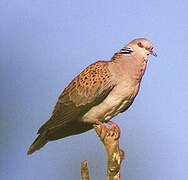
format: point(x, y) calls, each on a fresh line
point(100, 92)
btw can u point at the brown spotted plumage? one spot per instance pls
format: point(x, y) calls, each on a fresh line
point(98, 93)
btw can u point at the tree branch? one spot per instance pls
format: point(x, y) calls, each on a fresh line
point(110, 139)
point(84, 171)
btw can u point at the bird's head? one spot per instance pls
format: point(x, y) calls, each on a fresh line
point(142, 46)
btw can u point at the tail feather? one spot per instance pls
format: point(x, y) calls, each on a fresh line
point(38, 143)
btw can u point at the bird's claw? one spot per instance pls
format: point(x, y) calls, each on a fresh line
point(103, 131)
point(114, 129)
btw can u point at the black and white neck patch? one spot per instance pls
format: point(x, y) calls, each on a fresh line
point(126, 51)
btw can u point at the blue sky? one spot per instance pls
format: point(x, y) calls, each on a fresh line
point(44, 44)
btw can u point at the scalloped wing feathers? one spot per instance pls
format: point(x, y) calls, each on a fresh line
point(88, 89)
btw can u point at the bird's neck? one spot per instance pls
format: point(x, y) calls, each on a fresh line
point(130, 67)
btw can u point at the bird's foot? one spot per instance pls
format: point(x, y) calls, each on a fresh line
point(103, 132)
point(114, 127)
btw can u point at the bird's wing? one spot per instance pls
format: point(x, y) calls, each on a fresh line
point(88, 89)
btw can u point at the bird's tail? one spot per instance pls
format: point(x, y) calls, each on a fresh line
point(38, 143)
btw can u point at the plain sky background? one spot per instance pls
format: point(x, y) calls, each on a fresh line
point(45, 43)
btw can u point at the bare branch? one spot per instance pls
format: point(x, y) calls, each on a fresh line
point(84, 171)
point(110, 138)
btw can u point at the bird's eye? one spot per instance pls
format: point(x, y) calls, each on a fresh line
point(140, 44)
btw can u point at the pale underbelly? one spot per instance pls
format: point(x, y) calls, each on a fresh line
point(110, 107)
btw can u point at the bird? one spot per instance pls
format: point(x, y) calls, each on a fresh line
point(100, 92)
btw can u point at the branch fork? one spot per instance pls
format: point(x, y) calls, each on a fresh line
point(110, 138)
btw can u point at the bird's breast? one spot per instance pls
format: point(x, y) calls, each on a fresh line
point(119, 99)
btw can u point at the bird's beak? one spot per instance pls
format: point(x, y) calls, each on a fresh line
point(153, 53)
